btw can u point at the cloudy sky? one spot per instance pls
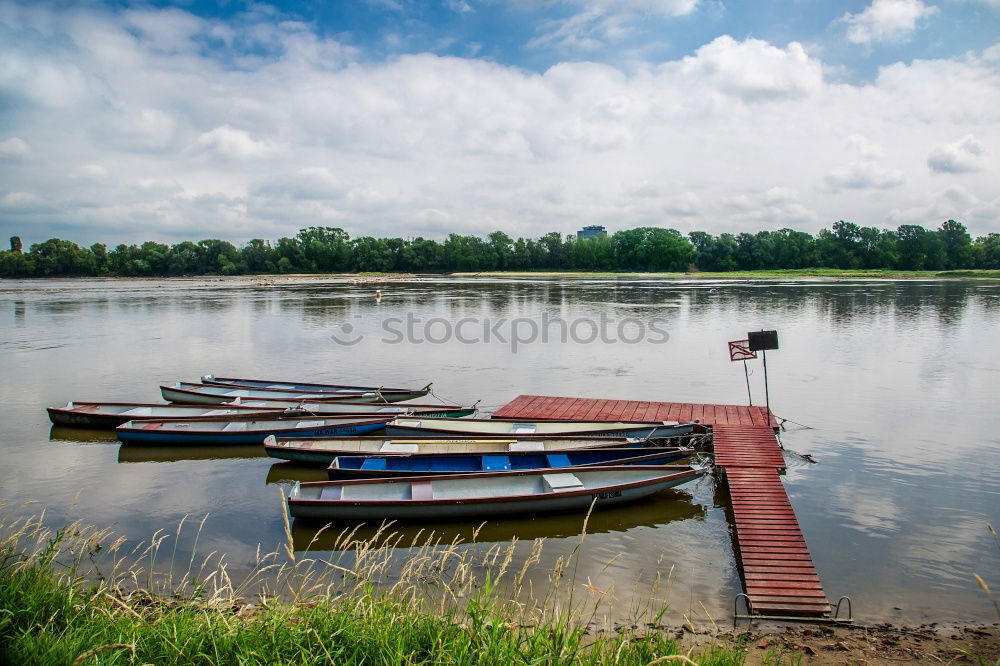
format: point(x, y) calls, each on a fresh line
point(122, 121)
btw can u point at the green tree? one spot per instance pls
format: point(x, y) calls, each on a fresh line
point(957, 245)
point(986, 251)
point(325, 249)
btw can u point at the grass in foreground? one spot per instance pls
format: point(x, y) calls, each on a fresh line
point(57, 606)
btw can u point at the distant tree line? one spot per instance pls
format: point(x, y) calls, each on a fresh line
point(331, 250)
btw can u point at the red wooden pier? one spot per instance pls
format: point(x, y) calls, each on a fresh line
point(778, 574)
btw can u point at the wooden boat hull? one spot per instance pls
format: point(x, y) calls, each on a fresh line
point(494, 427)
point(252, 432)
point(199, 394)
point(91, 414)
point(346, 408)
point(427, 464)
point(322, 451)
point(468, 495)
point(306, 387)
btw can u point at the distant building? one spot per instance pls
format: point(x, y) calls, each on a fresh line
point(591, 231)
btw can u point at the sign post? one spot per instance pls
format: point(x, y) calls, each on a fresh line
point(762, 341)
point(739, 350)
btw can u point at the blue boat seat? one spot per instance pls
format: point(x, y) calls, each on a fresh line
point(558, 460)
point(495, 463)
point(373, 463)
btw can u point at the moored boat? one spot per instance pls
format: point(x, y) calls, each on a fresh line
point(109, 415)
point(495, 427)
point(241, 432)
point(382, 466)
point(210, 394)
point(339, 407)
point(304, 387)
point(482, 495)
point(322, 450)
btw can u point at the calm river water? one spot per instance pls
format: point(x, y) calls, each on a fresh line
point(898, 380)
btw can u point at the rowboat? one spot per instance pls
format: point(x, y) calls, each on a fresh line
point(209, 394)
point(109, 415)
point(437, 463)
point(322, 451)
point(475, 427)
point(266, 384)
point(344, 407)
point(240, 432)
point(481, 495)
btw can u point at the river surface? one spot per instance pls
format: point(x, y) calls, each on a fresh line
point(898, 382)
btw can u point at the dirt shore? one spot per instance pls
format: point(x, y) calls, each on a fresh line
point(873, 644)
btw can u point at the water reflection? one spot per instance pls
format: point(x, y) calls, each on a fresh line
point(82, 435)
point(134, 453)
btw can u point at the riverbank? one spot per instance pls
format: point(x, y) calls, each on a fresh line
point(78, 595)
point(49, 619)
point(803, 273)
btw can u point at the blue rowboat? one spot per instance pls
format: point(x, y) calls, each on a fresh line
point(481, 495)
point(406, 425)
point(434, 463)
point(241, 432)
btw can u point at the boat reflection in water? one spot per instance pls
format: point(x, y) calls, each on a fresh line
point(82, 435)
point(134, 453)
point(290, 472)
point(656, 511)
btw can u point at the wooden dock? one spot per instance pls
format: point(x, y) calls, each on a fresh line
point(778, 574)
point(532, 407)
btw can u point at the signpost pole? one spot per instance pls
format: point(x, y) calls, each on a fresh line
point(767, 397)
point(746, 372)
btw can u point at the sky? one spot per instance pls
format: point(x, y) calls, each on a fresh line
point(169, 121)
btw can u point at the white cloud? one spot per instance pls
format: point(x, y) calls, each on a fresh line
point(13, 148)
point(597, 23)
point(864, 175)
point(754, 69)
point(91, 172)
point(231, 143)
point(963, 156)
point(953, 202)
point(886, 21)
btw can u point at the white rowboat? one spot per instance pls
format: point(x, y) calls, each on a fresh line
point(481, 495)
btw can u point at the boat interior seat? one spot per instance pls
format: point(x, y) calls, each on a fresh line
point(421, 490)
point(530, 445)
point(526, 428)
point(331, 493)
point(396, 447)
point(496, 463)
point(373, 463)
point(562, 482)
point(235, 425)
point(309, 424)
point(557, 460)
point(218, 412)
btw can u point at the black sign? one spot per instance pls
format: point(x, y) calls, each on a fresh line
point(761, 340)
